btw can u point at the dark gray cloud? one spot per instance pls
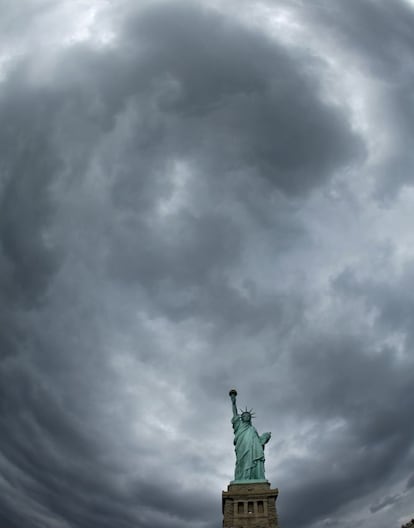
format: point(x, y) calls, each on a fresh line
point(410, 482)
point(244, 87)
point(379, 36)
point(359, 396)
point(387, 501)
point(188, 202)
point(28, 166)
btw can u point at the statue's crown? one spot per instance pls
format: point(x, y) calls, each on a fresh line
point(251, 412)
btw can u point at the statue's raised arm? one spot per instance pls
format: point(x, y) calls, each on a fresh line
point(233, 394)
point(249, 446)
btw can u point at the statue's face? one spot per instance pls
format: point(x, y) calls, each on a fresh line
point(246, 417)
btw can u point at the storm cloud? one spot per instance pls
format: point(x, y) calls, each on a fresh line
point(196, 196)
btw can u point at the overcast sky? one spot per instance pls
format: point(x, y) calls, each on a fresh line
point(195, 196)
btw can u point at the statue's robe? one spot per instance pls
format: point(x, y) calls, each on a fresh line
point(249, 451)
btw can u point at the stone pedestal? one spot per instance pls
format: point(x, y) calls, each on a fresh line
point(250, 505)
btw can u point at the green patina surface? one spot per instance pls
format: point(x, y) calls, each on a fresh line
point(248, 445)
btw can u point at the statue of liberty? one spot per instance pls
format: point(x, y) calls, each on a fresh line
point(249, 446)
